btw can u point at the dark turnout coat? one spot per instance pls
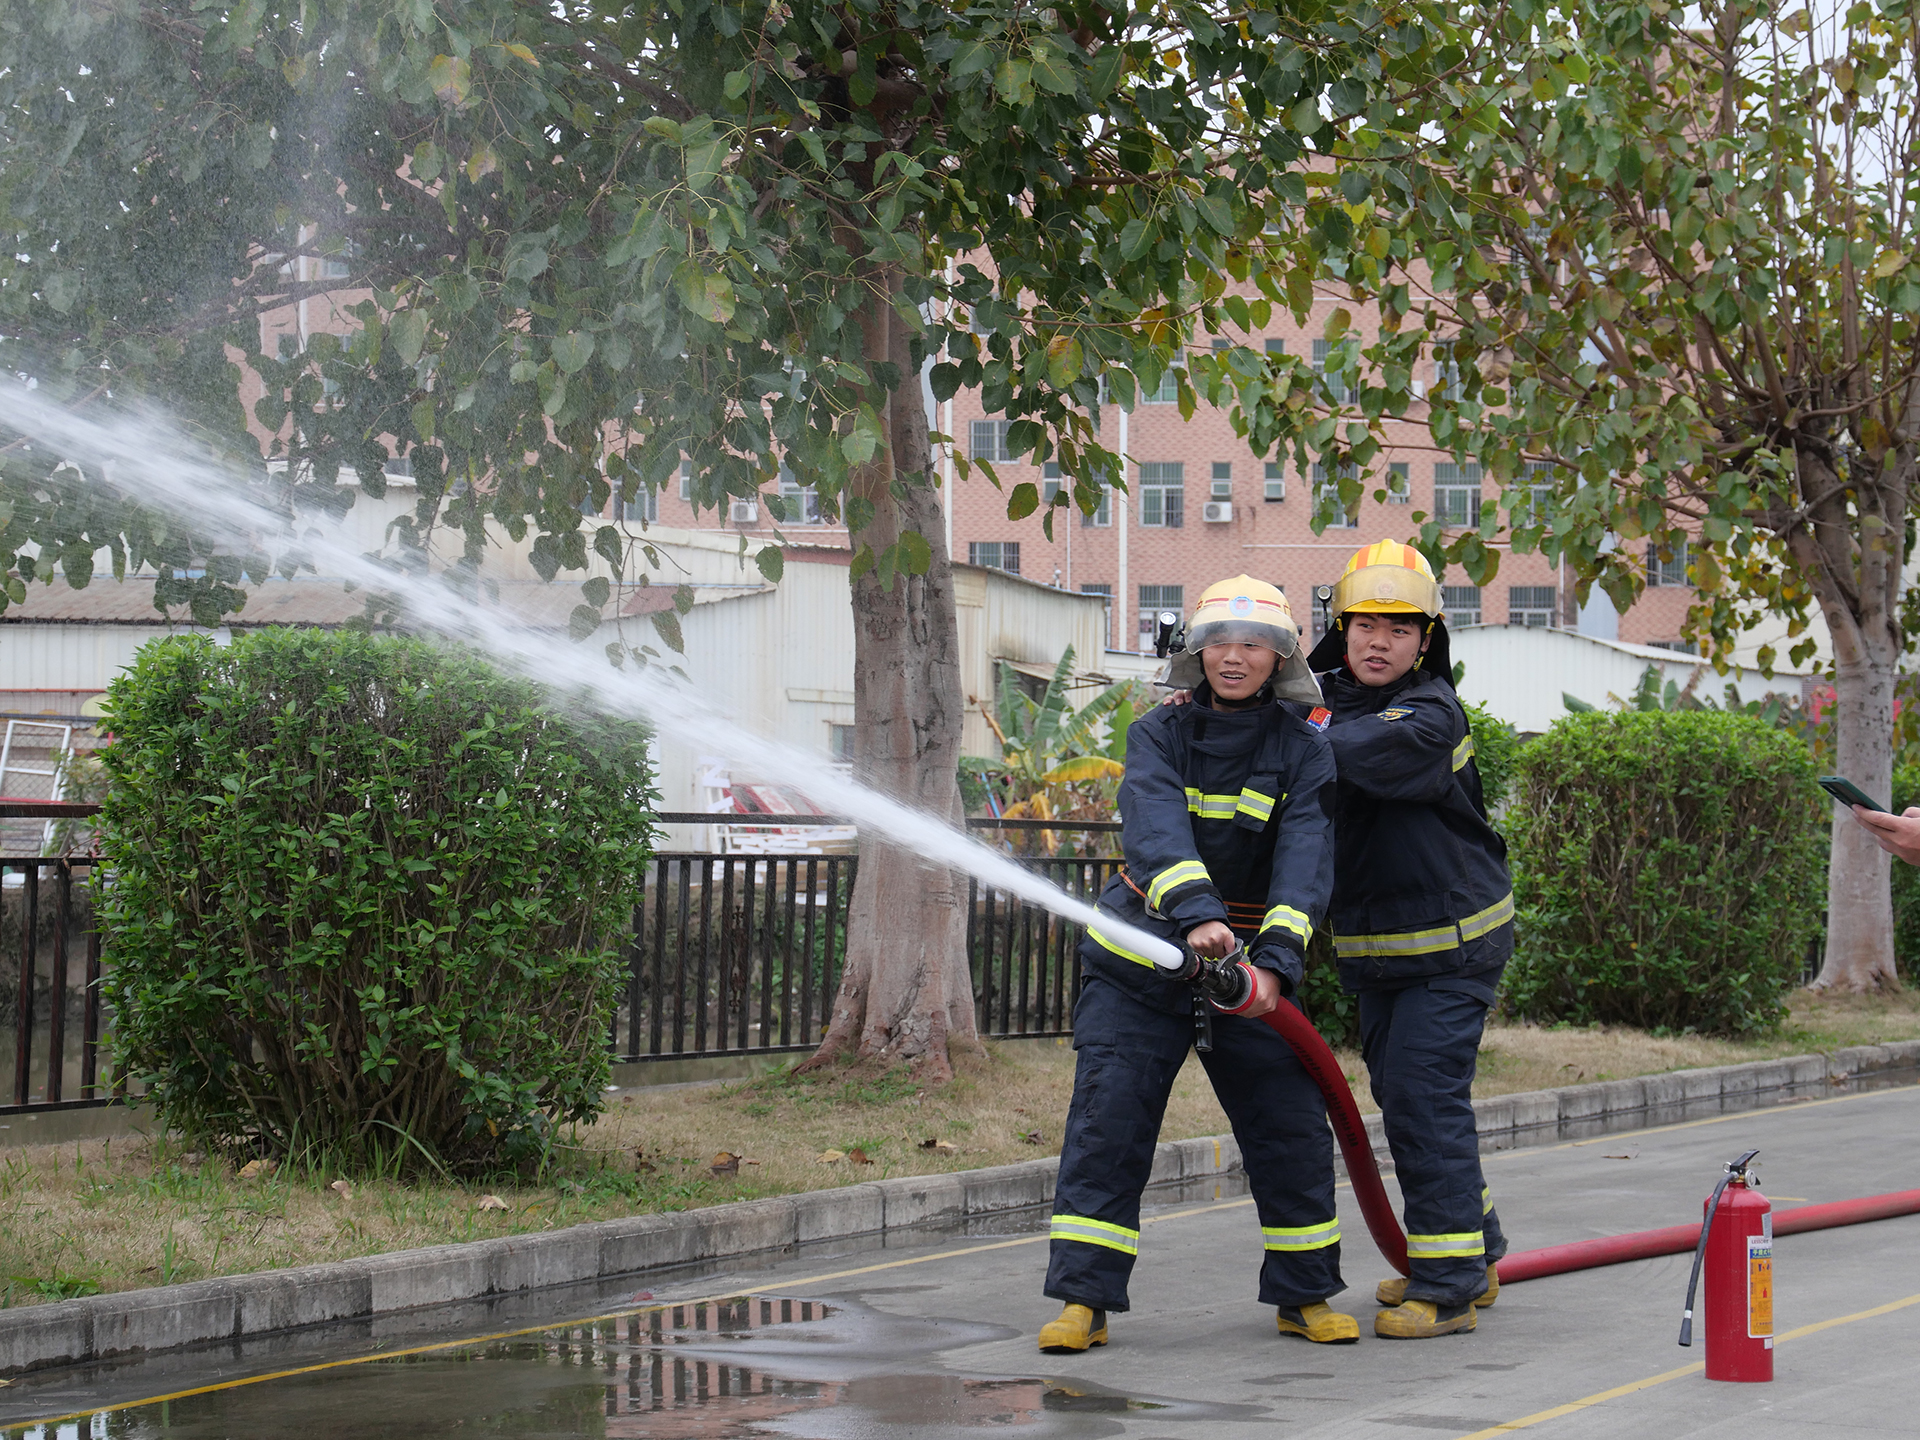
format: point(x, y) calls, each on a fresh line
point(1226, 815)
point(1421, 884)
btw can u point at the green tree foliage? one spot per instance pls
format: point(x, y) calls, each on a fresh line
point(1496, 750)
point(1666, 290)
point(580, 243)
point(1666, 871)
point(366, 896)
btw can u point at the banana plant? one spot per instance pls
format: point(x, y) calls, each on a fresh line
point(1055, 762)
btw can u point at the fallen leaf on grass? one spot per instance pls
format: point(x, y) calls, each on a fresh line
point(724, 1163)
point(342, 1189)
point(935, 1145)
point(257, 1169)
point(859, 1156)
point(1032, 1137)
point(643, 1165)
point(491, 1202)
point(827, 1157)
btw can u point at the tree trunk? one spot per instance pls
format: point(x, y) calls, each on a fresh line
point(906, 991)
point(1854, 564)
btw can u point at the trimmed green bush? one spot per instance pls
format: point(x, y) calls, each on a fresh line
point(1668, 871)
point(366, 897)
point(1496, 750)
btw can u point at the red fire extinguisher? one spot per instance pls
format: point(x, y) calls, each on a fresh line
point(1736, 1244)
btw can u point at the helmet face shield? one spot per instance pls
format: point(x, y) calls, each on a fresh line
point(1233, 630)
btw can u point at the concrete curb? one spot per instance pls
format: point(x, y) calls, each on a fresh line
point(245, 1306)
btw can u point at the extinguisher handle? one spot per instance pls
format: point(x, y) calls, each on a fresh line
point(1735, 1171)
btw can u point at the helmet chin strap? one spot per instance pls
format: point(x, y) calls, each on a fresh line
point(1426, 638)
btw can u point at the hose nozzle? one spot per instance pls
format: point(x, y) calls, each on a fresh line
point(1227, 982)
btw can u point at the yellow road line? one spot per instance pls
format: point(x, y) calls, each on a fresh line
point(495, 1337)
point(1588, 1402)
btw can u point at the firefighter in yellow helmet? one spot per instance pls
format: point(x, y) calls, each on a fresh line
point(1225, 826)
point(1422, 920)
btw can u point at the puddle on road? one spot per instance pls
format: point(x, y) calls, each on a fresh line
point(755, 1366)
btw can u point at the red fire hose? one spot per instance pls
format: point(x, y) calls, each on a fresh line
point(1351, 1131)
point(1679, 1239)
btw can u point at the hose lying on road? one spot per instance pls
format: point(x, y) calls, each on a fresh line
point(1679, 1239)
point(1350, 1130)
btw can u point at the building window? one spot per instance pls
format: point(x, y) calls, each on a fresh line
point(1102, 590)
point(1220, 347)
point(1276, 347)
point(1679, 647)
point(1169, 391)
point(840, 743)
point(1326, 492)
point(1456, 494)
point(1163, 493)
point(398, 467)
point(1672, 570)
point(1531, 605)
point(686, 480)
point(799, 502)
point(1446, 374)
point(989, 440)
point(644, 507)
point(1399, 483)
point(1049, 482)
point(1327, 352)
point(336, 266)
point(1276, 478)
point(995, 555)
point(1154, 599)
point(1535, 501)
point(1222, 481)
point(1461, 604)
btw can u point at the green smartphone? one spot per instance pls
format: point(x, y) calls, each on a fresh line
point(1846, 792)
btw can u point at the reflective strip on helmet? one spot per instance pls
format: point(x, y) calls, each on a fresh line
point(1428, 942)
point(1301, 1237)
point(1446, 1247)
point(1211, 807)
point(1285, 917)
point(1117, 948)
point(1253, 803)
point(1181, 872)
point(1095, 1232)
point(1486, 1199)
point(1489, 919)
point(1462, 753)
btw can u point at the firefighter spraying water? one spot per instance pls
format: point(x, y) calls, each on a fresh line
point(1229, 855)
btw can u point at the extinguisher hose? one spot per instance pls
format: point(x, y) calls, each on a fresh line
point(1737, 1170)
point(1348, 1128)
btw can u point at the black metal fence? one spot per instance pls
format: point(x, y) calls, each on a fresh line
point(730, 954)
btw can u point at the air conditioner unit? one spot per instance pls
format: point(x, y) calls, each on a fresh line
point(1217, 512)
point(744, 512)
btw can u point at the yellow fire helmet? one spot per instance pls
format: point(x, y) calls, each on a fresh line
point(1386, 578)
point(1245, 611)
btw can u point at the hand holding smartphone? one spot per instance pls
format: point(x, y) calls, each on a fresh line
point(1848, 793)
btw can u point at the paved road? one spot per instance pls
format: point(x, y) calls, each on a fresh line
point(936, 1340)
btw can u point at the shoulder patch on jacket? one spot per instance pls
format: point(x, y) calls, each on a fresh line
point(1398, 712)
point(1319, 717)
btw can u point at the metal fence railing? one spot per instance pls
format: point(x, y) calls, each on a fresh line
point(729, 954)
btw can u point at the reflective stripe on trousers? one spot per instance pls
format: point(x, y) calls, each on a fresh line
point(1095, 1232)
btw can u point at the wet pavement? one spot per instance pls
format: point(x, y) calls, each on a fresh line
point(933, 1338)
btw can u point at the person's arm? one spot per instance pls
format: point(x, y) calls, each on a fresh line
point(1896, 834)
point(1301, 881)
point(1408, 751)
point(1157, 831)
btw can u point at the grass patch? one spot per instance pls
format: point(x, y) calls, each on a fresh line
point(124, 1214)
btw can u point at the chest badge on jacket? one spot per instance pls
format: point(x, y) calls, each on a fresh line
point(1319, 717)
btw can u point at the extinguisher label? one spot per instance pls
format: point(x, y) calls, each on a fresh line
point(1760, 1286)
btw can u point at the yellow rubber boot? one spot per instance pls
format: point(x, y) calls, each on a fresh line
point(1422, 1320)
point(1392, 1292)
point(1320, 1323)
point(1077, 1328)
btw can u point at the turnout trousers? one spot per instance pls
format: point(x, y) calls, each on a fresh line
point(1421, 1044)
point(1128, 1054)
